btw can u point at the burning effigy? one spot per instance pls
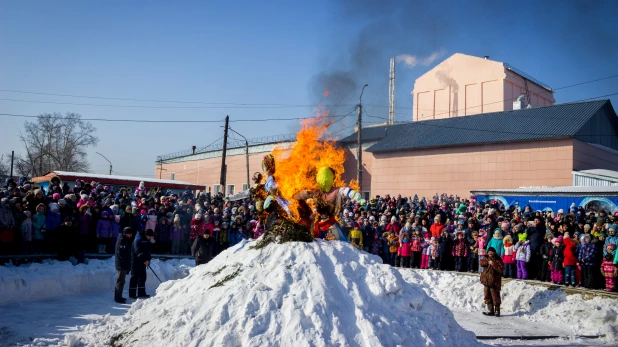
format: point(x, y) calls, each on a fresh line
point(301, 195)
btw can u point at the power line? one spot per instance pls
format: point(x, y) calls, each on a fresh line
point(163, 121)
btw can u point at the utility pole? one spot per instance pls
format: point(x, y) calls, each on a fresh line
point(12, 158)
point(391, 94)
point(110, 163)
point(161, 169)
point(246, 155)
point(223, 166)
point(359, 149)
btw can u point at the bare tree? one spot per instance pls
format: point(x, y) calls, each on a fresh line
point(56, 142)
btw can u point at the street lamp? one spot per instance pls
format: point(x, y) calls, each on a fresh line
point(246, 155)
point(110, 163)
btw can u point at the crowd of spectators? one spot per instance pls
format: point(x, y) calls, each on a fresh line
point(576, 247)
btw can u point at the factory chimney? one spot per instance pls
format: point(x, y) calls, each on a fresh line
point(391, 94)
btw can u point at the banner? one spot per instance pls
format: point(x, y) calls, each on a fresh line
point(554, 203)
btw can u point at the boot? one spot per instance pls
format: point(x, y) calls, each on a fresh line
point(121, 300)
point(133, 293)
point(490, 309)
point(497, 309)
point(141, 293)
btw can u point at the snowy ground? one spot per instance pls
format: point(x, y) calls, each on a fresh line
point(43, 313)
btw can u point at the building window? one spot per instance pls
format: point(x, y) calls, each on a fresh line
point(216, 189)
point(173, 176)
point(244, 187)
point(366, 195)
point(230, 189)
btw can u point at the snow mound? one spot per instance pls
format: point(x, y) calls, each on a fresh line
point(535, 303)
point(58, 278)
point(294, 294)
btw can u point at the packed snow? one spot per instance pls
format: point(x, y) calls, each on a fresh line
point(571, 314)
point(294, 294)
point(59, 278)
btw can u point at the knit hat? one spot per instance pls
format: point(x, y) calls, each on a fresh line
point(149, 232)
point(559, 239)
point(611, 246)
point(461, 222)
point(55, 196)
point(127, 230)
point(393, 219)
point(53, 206)
point(522, 236)
point(62, 202)
point(498, 233)
point(84, 196)
point(198, 216)
point(491, 249)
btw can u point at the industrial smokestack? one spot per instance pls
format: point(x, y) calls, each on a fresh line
point(391, 94)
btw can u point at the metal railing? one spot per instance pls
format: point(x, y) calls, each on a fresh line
point(231, 144)
point(527, 76)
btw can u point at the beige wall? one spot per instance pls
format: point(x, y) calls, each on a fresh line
point(459, 170)
point(350, 167)
point(207, 172)
point(465, 85)
point(588, 157)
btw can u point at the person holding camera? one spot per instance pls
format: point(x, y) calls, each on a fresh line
point(491, 278)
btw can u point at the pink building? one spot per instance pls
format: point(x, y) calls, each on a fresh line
point(463, 85)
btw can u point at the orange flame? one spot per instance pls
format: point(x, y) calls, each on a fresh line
point(326, 93)
point(296, 167)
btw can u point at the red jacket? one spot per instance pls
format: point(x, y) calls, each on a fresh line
point(570, 252)
point(436, 230)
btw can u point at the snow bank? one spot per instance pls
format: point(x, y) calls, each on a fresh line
point(535, 303)
point(56, 278)
point(295, 294)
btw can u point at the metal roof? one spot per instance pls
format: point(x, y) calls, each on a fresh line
point(599, 172)
point(595, 190)
point(558, 121)
point(373, 133)
point(115, 179)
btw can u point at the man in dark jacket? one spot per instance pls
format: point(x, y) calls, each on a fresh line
point(202, 249)
point(66, 239)
point(536, 235)
point(140, 260)
point(123, 262)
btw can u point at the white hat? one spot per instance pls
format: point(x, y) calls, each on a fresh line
point(560, 211)
point(393, 219)
point(53, 206)
point(198, 216)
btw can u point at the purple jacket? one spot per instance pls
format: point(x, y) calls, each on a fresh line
point(587, 254)
point(115, 229)
point(175, 232)
point(105, 228)
point(84, 224)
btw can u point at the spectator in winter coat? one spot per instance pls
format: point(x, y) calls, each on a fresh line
point(570, 259)
point(7, 221)
point(496, 242)
point(545, 252)
point(404, 251)
point(416, 248)
point(460, 250)
point(611, 238)
point(508, 258)
point(445, 245)
point(491, 278)
point(162, 235)
point(52, 221)
point(436, 227)
point(27, 233)
point(587, 257)
point(557, 261)
point(123, 262)
point(38, 228)
point(522, 255)
point(482, 247)
point(536, 235)
point(151, 223)
point(393, 245)
point(66, 239)
point(105, 229)
point(609, 269)
point(140, 260)
point(202, 249)
point(197, 227)
point(32, 201)
point(356, 236)
point(473, 253)
point(176, 231)
point(426, 253)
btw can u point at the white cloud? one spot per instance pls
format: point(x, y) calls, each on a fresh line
point(412, 61)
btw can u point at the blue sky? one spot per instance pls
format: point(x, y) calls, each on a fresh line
point(250, 52)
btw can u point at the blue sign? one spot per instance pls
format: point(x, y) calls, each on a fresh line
point(554, 203)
